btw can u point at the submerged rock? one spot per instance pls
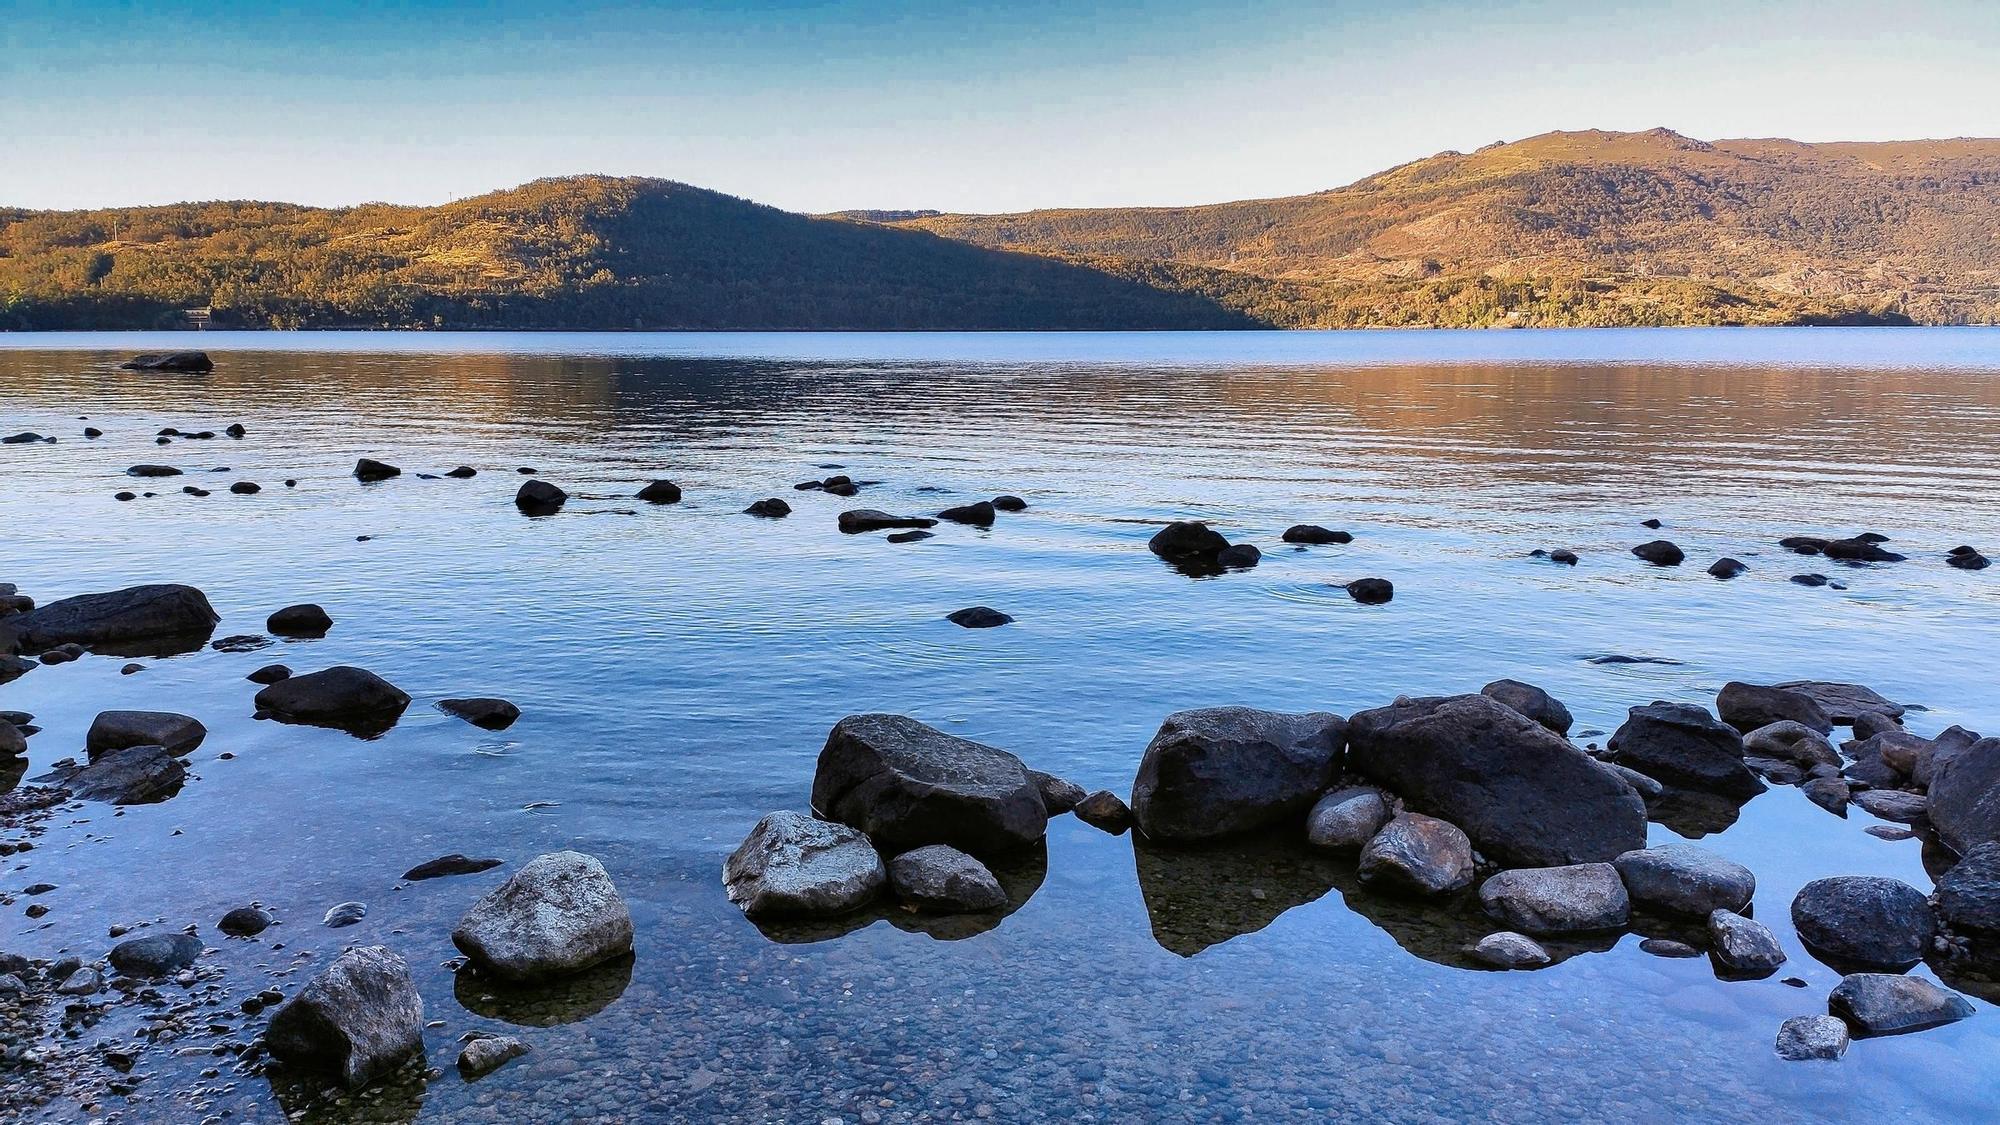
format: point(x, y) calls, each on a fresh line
point(1371, 591)
point(341, 915)
point(155, 956)
point(333, 696)
point(133, 775)
point(1726, 568)
point(446, 865)
point(485, 712)
point(488, 1053)
point(1531, 701)
point(978, 617)
point(1748, 707)
point(854, 521)
point(540, 498)
point(1577, 898)
point(1804, 1038)
point(1889, 1004)
point(116, 730)
point(1793, 742)
point(771, 508)
point(792, 865)
point(1219, 771)
point(303, 620)
point(195, 363)
point(1525, 795)
point(1314, 534)
point(1058, 795)
point(941, 878)
point(1864, 922)
point(1660, 552)
point(906, 784)
point(1685, 879)
point(368, 470)
point(559, 914)
point(118, 618)
point(979, 514)
point(1240, 556)
point(1742, 946)
point(1507, 950)
point(1187, 539)
point(1346, 819)
point(1683, 745)
point(245, 921)
point(360, 1017)
point(1418, 855)
point(1893, 804)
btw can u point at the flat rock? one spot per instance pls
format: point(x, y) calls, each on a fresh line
point(117, 618)
point(1524, 794)
point(1578, 898)
point(906, 785)
point(1726, 568)
point(485, 712)
point(133, 775)
point(1220, 771)
point(360, 1017)
point(1508, 950)
point(792, 865)
point(1742, 946)
point(942, 879)
point(1844, 703)
point(1805, 1038)
point(1685, 879)
point(446, 865)
point(857, 520)
point(1684, 746)
point(155, 956)
point(1750, 706)
point(978, 617)
point(1890, 1003)
point(194, 363)
point(1864, 922)
point(1417, 855)
point(116, 730)
point(1346, 819)
point(1668, 947)
point(558, 915)
point(1531, 701)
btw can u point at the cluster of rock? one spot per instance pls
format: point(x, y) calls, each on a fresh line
point(1865, 547)
point(1196, 549)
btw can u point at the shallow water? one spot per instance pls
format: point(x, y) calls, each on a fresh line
point(678, 668)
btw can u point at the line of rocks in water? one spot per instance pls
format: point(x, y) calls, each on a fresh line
point(1479, 797)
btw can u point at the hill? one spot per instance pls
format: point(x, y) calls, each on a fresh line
point(1578, 228)
point(582, 252)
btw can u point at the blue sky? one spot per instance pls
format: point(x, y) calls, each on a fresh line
point(979, 107)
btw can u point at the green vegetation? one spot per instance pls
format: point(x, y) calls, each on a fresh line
point(1563, 229)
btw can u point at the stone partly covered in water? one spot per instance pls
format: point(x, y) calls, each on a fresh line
point(1524, 794)
point(155, 956)
point(361, 1017)
point(854, 521)
point(978, 617)
point(1843, 703)
point(1682, 745)
point(184, 362)
point(341, 915)
point(368, 470)
point(116, 730)
point(1103, 810)
point(540, 498)
point(1968, 903)
point(906, 785)
point(1685, 879)
point(942, 879)
point(1371, 591)
point(1185, 540)
point(557, 915)
point(1578, 898)
point(978, 515)
point(1418, 855)
point(794, 866)
point(1791, 742)
point(1743, 946)
point(1805, 1038)
point(770, 508)
point(1893, 804)
point(132, 775)
point(447, 865)
point(1059, 795)
point(1864, 922)
point(484, 712)
point(303, 620)
point(1219, 771)
point(1965, 795)
point(488, 1053)
point(1346, 819)
point(333, 697)
point(245, 921)
point(661, 492)
point(1726, 568)
point(1660, 552)
point(1531, 701)
point(1750, 706)
point(1508, 950)
point(1890, 1003)
point(1315, 534)
point(118, 618)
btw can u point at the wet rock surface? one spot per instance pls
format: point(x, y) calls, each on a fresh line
point(1864, 922)
point(1683, 745)
point(1557, 900)
point(792, 865)
point(116, 730)
point(942, 878)
point(337, 696)
point(357, 1019)
point(1417, 855)
point(1225, 770)
point(906, 784)
point(1890, 1004)
point(1743, 946)
point(1685, 879)
point(1803, 1038)
point(1346, 819)
point(559, 914)
point(123, 622)
point(485, 712)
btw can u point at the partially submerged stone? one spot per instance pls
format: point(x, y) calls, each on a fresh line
point(1805, 1038)
point(1418, 855)
point(1864, 922)
point(361, 1017)
point(1743, 946)
point(1577, 898)
point(1508, 950)
point(906, 784)
point(794, 866)
point(1221, 771)
point(943, 879)
point(116, 619)
point(1531, 701)
point(116, 730)
point(1890, 1004)
point(1346, 819)
point(559, 914)
point(1684, 746)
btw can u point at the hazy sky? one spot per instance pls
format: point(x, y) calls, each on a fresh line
point(981, 107)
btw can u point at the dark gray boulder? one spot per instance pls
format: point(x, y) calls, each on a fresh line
point(857, 520)
point(1965, 794)
point(1872, 724)
point(1864, 922)
point(341, 915)
point(115, 730)
point(1829, 793)
point(1804, 1038)
point(155, 956)
point(303, 620)
point(540, 498)
point(559, 914)
point(1742, 946)
point(270, 674)
point(1685, 879)
point(942, 879)
point(1220, 771)
point(1893, 804)
point(152, 471)
point(245, 921)
point(1105, 811)
point(1843, 703)
point(447, 865)
point(1010, 503)
point(1187, 539)
point(1315, 534)
point(770, 508)
point(661, 492)
point(978, 617)
point(484, 712)
point(906, 785)
point(368, 470)
point(978, 515)
point(1576, 898)
point(1682, 745)
point(1726, 568)
point(134, 775)
point(1371, 591)
point(115, 619)
point(1058, 794)
point(1968, 902)
point(1416, 854)
point(333, 697)
point(360, 1017)
point(1240, 556)
point(1660, 552)
point(195, 363)
point(1525, 795)
point(1750, 706)
point(1346, 819)
point(793, 866)
point(1531, 701)
point(1890, 1004)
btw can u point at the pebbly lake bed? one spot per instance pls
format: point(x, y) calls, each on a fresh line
point(678, 668)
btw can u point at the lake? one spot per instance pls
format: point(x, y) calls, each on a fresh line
point(678, 668)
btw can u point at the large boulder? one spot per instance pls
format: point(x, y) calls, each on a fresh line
point(1864, 922)
point(1187, 539)
point(906, 784)
point(1685, 879)
point(116, 619)
point(1965, 794)
point(1749, 706)
point(115, 730)
point(1843, 703)
point(1531, 701)
point(1577, 898)
point(1219, 771)
point(795, 866)
point(306, 619)
point(940, 878)
point(559, 914)
point(1525, 795)
point(1682, 745)
point(333, 696)
point(540, 498)
point(1889, 1003)
point(1418, 855)
point(358, 1018)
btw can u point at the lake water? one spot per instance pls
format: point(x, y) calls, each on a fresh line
point(678, 668)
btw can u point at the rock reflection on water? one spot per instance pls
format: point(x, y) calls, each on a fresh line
point(311, 1099)
point(546, 1004)
point(1692, 814)
point(1198, 896)
point(1020, 874)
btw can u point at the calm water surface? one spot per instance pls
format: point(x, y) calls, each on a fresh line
point(678, 668)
